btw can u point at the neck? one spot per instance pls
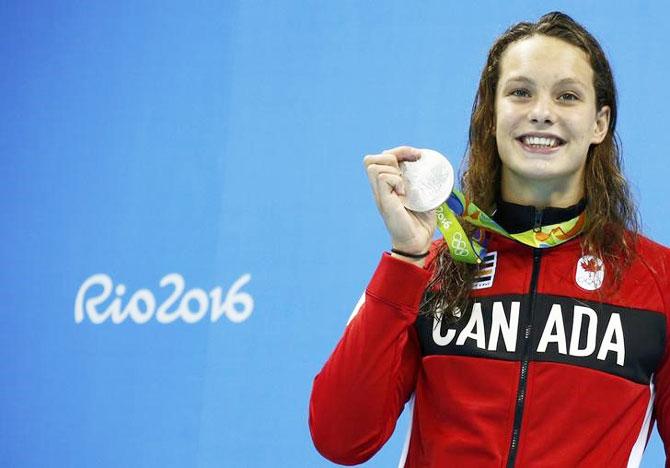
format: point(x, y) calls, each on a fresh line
point(541, 193)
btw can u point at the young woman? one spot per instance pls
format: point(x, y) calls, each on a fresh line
point(546, 354)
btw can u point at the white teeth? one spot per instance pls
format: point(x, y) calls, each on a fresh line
point(540, 141)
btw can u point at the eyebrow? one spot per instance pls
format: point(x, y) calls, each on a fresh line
point(562, 81)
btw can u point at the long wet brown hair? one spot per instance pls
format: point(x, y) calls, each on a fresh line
point(611, 215)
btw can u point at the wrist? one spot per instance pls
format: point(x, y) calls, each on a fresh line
point(412, 255)
point(415, 259)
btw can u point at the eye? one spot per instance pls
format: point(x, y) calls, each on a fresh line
point(519, 92)
point(568, 97)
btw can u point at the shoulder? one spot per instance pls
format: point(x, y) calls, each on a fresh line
point(654, 255)
point(651, 260)
point(646, 245)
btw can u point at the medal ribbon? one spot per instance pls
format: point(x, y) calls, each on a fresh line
point(472, 250)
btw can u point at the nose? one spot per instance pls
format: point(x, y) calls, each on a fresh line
point(541, 111)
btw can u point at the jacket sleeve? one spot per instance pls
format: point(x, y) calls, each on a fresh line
point(362, 389)
point(662, 377)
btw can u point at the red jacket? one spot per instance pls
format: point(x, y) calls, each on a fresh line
point(542, 371)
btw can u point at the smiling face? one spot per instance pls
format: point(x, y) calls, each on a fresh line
point(546, 120)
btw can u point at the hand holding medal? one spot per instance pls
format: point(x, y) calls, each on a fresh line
point(408, 184)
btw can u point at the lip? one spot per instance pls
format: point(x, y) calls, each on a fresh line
point(542, 135)
point(531, 149)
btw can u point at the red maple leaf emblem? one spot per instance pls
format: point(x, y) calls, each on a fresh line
point(591, 265)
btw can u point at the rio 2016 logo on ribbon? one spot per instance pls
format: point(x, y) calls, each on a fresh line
point(237, 306)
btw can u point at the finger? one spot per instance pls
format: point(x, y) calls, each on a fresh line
point(392, 183)
point(388, 159)
point(404, 153)
point(375, 170)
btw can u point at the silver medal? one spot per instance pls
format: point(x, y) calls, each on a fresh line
point(428, 181)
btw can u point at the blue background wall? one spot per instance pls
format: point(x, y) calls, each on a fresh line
point(215, 140)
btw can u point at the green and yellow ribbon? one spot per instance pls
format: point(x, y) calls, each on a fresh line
point(472, 249)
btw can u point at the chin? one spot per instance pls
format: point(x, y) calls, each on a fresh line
point(538, 170)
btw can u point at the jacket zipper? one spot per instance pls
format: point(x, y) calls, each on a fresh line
point(523, 376)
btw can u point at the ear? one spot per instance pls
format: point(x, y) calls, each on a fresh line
point(601, 125)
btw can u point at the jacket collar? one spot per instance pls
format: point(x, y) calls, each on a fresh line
point(519, 218)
